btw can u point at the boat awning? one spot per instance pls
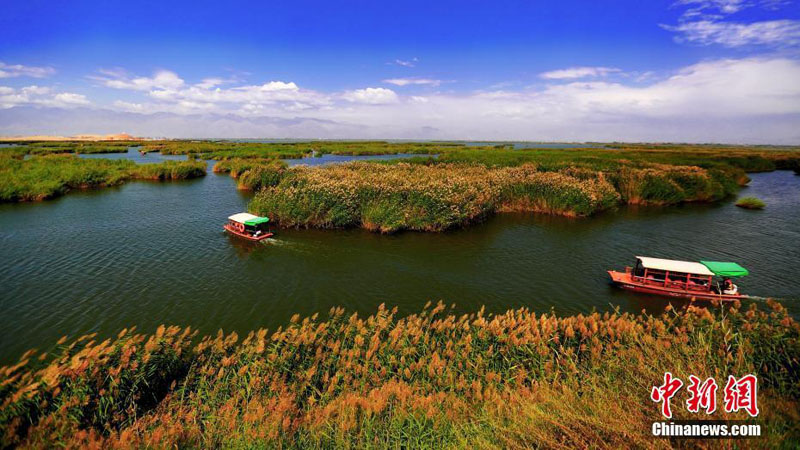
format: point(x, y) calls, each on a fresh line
point(248, 219)
point(726, 269)
point(672, 265)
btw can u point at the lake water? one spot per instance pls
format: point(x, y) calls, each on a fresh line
point(134, 155)
point(147, 253)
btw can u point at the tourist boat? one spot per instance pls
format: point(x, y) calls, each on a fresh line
point(248, 226)
point(685, 279)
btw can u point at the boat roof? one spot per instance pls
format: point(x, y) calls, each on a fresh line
point(674, 265)
point(725, 269)
point(248, 219)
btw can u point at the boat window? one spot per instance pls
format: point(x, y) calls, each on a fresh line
point(677, 277)
point(656, 274)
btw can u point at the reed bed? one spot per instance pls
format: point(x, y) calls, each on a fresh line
point(613, 157)
point(253, 174)
point(44, 177)
point(56, 147)
point(428, 380)
point(751, 203)
point(436, 197)
point(665, 185)
point(221, 150)
point(392, 197)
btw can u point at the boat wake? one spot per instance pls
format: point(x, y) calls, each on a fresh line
point(765, 299)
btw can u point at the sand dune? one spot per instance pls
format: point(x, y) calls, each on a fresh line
point(79, 137)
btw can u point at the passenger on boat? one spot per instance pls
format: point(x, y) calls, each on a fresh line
point(728, 287)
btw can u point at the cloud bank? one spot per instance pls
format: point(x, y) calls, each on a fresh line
point(750, 100)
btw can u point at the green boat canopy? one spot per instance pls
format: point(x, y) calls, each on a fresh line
point(248, 219)
point(725, 269)
point(258, 221)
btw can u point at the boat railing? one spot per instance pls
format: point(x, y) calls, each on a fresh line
point(673, 280)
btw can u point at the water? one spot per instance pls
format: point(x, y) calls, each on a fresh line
point(134, 155)
point(149, 253)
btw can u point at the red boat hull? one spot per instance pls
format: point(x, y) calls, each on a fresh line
point(626, 281)
point(249, 237)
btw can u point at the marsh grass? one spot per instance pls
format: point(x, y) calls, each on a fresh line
point(221, 150)
point(253, 174)
point(435, 197)
point(750, 203)
point(44, 177)
point(428, 380)
point(57, 147)
point(392, 197)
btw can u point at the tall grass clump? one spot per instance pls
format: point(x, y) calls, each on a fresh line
point(433, 379)
point(438, 196)
point(751, 203)
point(664, 185)
point(570, 193)
point(170, 170)
point(253, 174)
point(43, 177)
point(392, 197)
point(57, 147)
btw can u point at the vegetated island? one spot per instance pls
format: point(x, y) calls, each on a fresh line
point(48, 176)
point(429, 380)
point(751, 203)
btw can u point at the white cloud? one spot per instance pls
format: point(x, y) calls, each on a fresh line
point(18, 70)
point(407, 63)
point(413, 81)
point(209, 83)
point(578, 72)
point(705, 22)
point(729, 34)
point(725, 6)
point(39, 96)
point(372, 96)
point(68, 98)
point(129, 106)
point(160, 80)
point(170, 93)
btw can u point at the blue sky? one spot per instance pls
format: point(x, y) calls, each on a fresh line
point(685, 70)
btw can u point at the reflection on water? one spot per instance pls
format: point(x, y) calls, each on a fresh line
point(150, 253)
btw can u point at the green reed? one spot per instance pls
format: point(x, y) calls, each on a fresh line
point(44, 177)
